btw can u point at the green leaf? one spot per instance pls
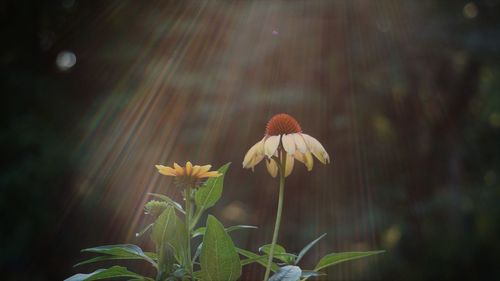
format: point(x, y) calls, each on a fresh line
point(198, 275)
point(335, 258)
point(279, 253)
point(287, 273)
point(240, 226)
point(144, 230)
point(278, 249)
point(169, 233)
point(208, 194)
point(252, 257)
point(197, 252)
point(113, 252)
point(219, 259)
point(307, 248)
point(112, 272)
point(167, 199)
point(151, 255)
point(104, 258)
point(201, 230)
point(310, 273)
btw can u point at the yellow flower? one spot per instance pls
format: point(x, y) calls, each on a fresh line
point(283, 132)
point(189, 174)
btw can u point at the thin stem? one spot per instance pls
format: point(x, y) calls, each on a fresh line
point(196, 218)
point(281, 165)
point(188, 227)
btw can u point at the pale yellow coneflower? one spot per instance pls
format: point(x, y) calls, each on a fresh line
point(284, 132)
point(282, 144)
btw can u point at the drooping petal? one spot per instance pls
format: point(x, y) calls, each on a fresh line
point(271, 145)
point(272, 168)
point(309, 162)
point(164, 170)
point(256, 160)
point(255, 151)
point(300, 143)
point(288, 143)
point(317, 149)
point(305, 158)
point(289, 164)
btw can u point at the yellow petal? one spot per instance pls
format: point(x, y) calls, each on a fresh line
point(205, 168)
point(189, 168)
point(317, 149)
point(299, 156)
point(196, 170)
point(288, 143)
point(308, 161)
point(289, 165)
point(300, 143)
point(178, 169)
point(272, 168)
point(271, 145)
point(305, 158)
point(164, 170)
point(212, 174)
point(253, 152)
point(256, 160)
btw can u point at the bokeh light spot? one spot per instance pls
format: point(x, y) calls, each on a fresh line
point(234, 212)
point(470, 10)
point(392, 236)
point(65, 60)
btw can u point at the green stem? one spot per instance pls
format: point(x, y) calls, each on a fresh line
point(188, 228)
point(281, 167)
point(196, 218)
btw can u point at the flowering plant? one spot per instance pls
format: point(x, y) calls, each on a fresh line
point(216, 257)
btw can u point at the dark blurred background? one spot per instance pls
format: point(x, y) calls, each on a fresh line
point(404, 95)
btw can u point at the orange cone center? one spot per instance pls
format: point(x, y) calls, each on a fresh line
point(282, 124)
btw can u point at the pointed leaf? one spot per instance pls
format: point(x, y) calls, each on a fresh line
point(208, 194)
point(104, 258)
point(335, 258)
point(169, 233)
point(279, 253)
point(121, 251)
point(198, 252)
point(287, 273)
point(278, 249)
point(240, 226)
point(252, 257)
point(112, 272)
point(310, 273)
point(307, 248)
point(201, 230)
point(219, 259)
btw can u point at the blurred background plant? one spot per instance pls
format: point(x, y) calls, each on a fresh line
point(403, 94)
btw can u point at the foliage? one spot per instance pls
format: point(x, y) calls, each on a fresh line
point(216, 257)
